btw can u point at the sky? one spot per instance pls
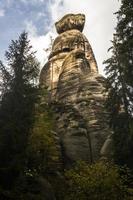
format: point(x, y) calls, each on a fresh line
point(37, 17)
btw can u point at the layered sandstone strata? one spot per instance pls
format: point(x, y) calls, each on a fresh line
point(76, 94)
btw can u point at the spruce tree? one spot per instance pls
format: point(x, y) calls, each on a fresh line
point(119, 71)
point(18, 97)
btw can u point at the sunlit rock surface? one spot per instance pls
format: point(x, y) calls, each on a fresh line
point(69, 22)
point(76, 94)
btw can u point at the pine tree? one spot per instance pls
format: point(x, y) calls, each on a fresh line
point(42, 151)
point(119, 71)
point(19, 93)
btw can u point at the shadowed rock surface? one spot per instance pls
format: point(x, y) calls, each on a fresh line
point(76, 94)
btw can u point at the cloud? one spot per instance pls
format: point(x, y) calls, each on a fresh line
point(40, 43)
point(30, 28)
point(31, 1)
point(2, 12)
point(40, 15)
point(8, 3)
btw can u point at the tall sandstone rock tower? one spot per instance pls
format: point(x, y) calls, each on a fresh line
point(76, 94)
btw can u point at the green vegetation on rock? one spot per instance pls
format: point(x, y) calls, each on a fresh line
point(99, 181)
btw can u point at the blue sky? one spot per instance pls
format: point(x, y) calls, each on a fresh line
point(37, 17)
point(15, 16)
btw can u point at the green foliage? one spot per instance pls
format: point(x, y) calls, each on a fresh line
point(27, 147)
point(42, 150)
point(119, 85)
point(27, 187)
point(123, 140)
point(119, 67)
point(32, 187)
point(19, 94)
point(99, 181)
point(41, 156)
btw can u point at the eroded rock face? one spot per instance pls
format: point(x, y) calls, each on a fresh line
point(69, 22)
point(76, 94)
